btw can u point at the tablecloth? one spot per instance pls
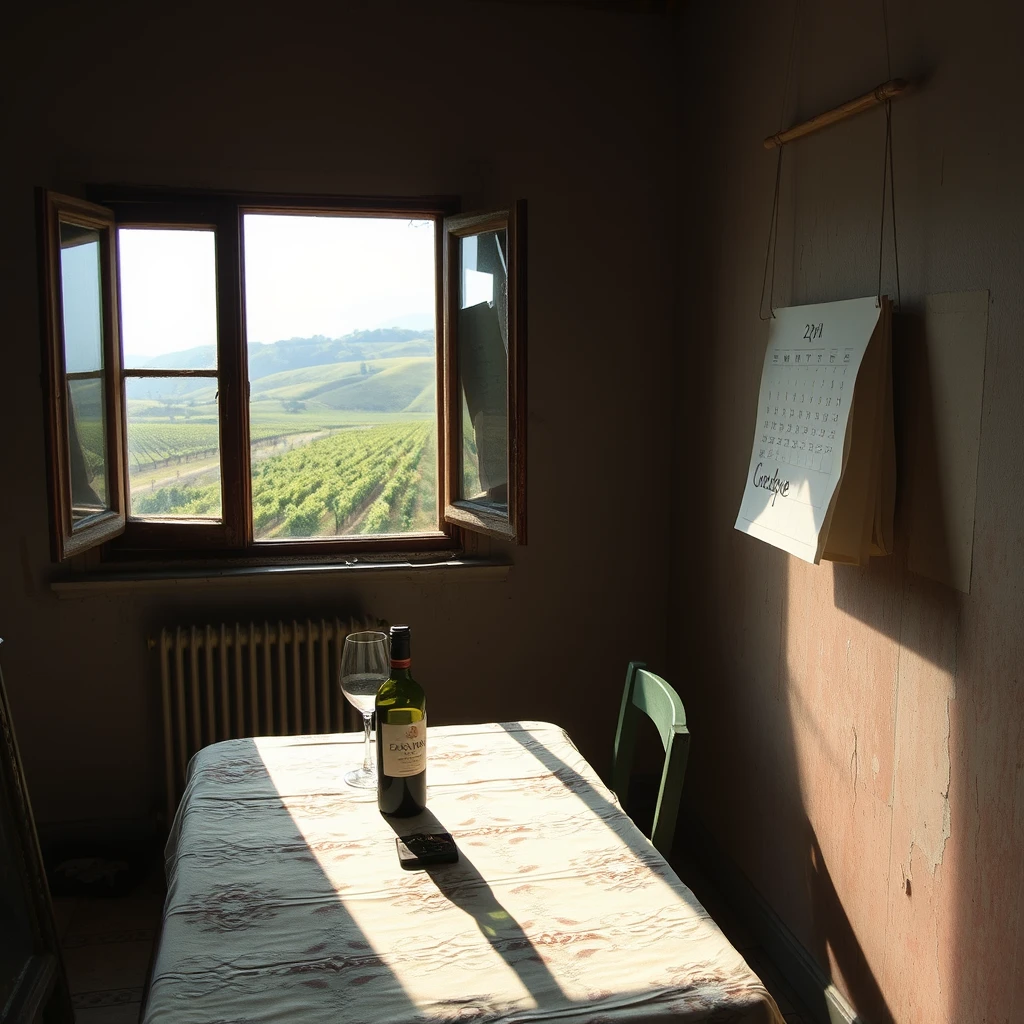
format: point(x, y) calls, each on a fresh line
point(286, 901)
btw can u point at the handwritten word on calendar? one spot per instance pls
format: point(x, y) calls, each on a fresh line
point(800, 438)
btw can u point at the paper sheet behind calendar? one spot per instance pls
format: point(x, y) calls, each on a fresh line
point(801, 440)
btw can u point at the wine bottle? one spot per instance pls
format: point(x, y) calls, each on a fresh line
point(401, 708)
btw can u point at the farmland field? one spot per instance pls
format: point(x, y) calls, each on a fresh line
point(152, 443)
point(342, 437)
point(358, 480)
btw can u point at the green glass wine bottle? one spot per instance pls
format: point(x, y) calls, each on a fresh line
point(401, 708)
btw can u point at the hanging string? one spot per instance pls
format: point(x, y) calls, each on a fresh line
point(885, 183)
point(892, 197)
point(885, 25)
point(773, 224)
point(769, 255)
point(888, 180)
point(789, 65)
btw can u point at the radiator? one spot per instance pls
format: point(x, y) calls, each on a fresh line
point(248, 679)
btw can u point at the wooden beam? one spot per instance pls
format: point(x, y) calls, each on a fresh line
point(886, 91)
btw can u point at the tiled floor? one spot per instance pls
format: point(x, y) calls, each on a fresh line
point(108, 944)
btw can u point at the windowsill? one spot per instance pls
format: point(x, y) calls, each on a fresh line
point(466, 570)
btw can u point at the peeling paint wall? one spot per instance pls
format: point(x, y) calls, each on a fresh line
point(856, 732)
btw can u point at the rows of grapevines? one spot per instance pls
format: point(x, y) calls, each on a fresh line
point(318, 488)
point(322, 487)
point(149, 443)
point(152, 443)
point(178, 501)
point(397, 499)
point(90, 438)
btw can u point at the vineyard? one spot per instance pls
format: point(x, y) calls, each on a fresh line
point(375, 480)
point(154, 445)
point(90, 436)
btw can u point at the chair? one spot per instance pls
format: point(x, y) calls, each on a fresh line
point(649, 694)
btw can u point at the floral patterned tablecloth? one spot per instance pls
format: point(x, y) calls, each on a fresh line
point(286, 902)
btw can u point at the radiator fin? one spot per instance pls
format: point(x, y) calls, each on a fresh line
point(239, 679)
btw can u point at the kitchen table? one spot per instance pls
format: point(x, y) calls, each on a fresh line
point(286, 901)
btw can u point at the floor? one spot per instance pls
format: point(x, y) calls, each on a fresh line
point(789, 1004)
point(108, 944)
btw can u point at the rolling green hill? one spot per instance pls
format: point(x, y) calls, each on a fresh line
point(293, 353)
point(299, 383)
point(387, 385)
point(388, 370)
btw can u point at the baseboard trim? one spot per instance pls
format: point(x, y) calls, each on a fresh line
point(800, 970)
point(839, 1010)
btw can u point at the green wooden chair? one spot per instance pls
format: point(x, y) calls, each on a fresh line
point(649, 694)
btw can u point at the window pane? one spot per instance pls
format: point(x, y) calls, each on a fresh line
point(483, 367)
point(340, 315)
point(173, 447)
point(82, 322)
point(82, 298)
point(168, 298)
point(87, 447)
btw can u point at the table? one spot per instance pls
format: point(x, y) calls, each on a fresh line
point(286, 901)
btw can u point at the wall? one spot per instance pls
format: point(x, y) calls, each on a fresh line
point(856, 731)
point(488, 101)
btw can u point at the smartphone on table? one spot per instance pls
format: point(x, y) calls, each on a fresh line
point(426, 848)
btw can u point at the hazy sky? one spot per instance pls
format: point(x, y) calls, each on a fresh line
point(80, 282)
point(304, 275)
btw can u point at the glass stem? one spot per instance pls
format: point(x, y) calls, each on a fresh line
point(367, 762)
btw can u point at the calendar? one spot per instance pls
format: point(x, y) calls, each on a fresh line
point(814, 367)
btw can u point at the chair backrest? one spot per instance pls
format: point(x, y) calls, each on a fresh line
point(649, 694)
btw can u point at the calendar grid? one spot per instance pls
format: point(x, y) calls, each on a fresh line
point(807, 386)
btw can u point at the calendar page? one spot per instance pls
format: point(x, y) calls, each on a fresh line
point(801, 438)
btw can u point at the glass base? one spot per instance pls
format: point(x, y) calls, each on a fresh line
point(361, 779)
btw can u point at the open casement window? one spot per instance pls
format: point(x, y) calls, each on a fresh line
point(256, 376)
point(82, 367)
point(485, 360)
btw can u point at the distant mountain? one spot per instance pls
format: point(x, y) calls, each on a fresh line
point(295, 353)
point(381, 385)
point(343, 356)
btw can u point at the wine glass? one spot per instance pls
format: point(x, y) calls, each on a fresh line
point(365, 665)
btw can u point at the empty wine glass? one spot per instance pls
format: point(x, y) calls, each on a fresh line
point(365, 665)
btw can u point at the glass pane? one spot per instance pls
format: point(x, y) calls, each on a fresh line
point(340, 315)
point(168, 283)
point(82, 321)
point(173, 447)
point(483, 367)
point(87, 447)
point(81, 293)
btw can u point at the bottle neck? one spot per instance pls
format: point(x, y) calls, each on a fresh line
point(400, 669)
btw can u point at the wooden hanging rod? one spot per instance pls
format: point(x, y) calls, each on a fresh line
point(886, 91)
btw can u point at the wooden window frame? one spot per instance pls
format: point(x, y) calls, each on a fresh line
point(459, 511)
point(231, 540)
point(69, 537)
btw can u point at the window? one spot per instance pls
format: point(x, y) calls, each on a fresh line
point(282, 377)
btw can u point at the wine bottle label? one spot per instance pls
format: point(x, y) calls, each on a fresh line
point(404, 748)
